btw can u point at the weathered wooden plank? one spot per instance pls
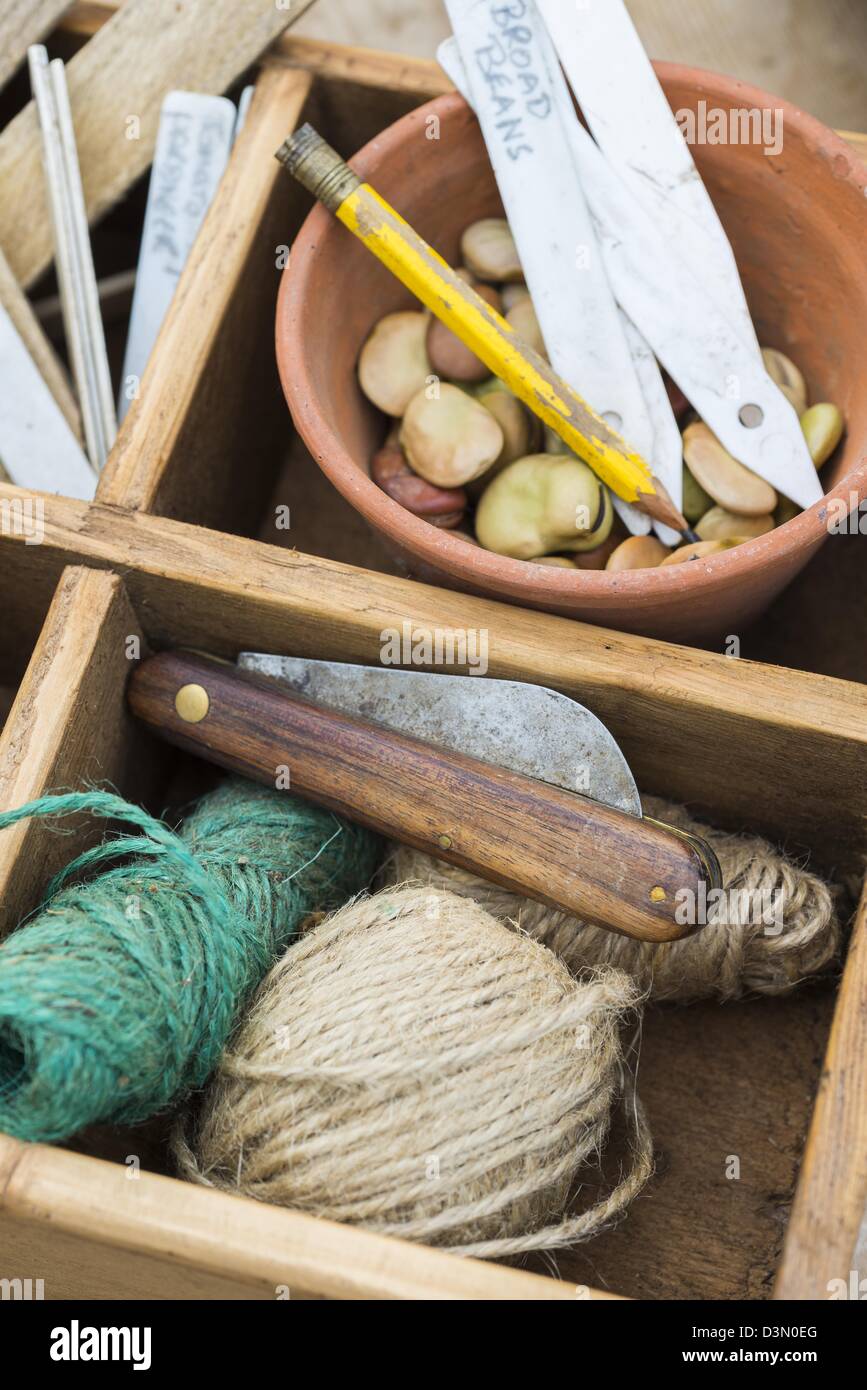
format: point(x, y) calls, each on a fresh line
point(748, 744)
point(68, 726)
point(116, 86)
point(369, 67)
point(395, 73)
point(155, 1237)
point(832, 1190)
point(22, 23)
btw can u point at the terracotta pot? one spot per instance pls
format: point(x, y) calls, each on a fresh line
point(798, 224)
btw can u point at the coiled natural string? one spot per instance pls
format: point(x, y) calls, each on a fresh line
point(740, 951)
point(121, 993)
point(413, 1066)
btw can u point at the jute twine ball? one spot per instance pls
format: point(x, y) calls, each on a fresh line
point(736, 953)
point(415, 1067)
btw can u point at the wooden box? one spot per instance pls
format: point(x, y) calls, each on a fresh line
point(182, 546)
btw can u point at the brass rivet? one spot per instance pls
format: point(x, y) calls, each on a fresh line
point(192, 703)
point(657, 895)
point(444, 841)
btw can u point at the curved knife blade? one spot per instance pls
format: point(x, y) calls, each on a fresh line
point(526, 728)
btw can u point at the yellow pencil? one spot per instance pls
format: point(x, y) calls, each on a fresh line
point(491, 337)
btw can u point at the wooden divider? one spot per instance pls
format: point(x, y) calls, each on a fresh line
point(831, 1199)
point(69, 728)
point(102, 1230)
point(748, 743)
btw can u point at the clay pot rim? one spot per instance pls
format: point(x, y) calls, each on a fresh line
point(470, 563)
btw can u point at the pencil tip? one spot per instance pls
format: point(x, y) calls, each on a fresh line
point(659, 505)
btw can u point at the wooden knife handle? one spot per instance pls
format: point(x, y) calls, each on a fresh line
point(556, 846)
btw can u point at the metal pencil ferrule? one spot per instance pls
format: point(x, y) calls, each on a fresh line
point(318, 167)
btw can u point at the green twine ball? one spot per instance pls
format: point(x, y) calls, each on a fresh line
point(120, 994)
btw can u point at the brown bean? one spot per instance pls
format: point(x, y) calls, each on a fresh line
point(786, 511)
point(790, 379)
point(449, 356)
point(393, 363)
point(700, 550)
point(597, 558)
point(488, 248)
point(720, 525)
point(637, 553)
point(522, 317)
point(823, 427)
point(728, 482)
point(441, 506)
point(388, 462)
point(448, 437)
point(510, 294)
point(424, 498)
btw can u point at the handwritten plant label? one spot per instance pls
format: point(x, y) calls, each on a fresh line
point(192, 148)
point(509, 66)
point(506, 68)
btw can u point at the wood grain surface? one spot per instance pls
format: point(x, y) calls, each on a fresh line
point(728, 1091)
point(69, 727)
point(121, 76)
point(98, 1232)
point(23, 22)
point(717, 733)
point(370, 67)
point(832, 1192)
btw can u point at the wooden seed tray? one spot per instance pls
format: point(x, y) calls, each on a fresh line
point(182, 546)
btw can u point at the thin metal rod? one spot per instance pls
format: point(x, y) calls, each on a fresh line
point(74, 260)
point(101, 372)
point(37, 58)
